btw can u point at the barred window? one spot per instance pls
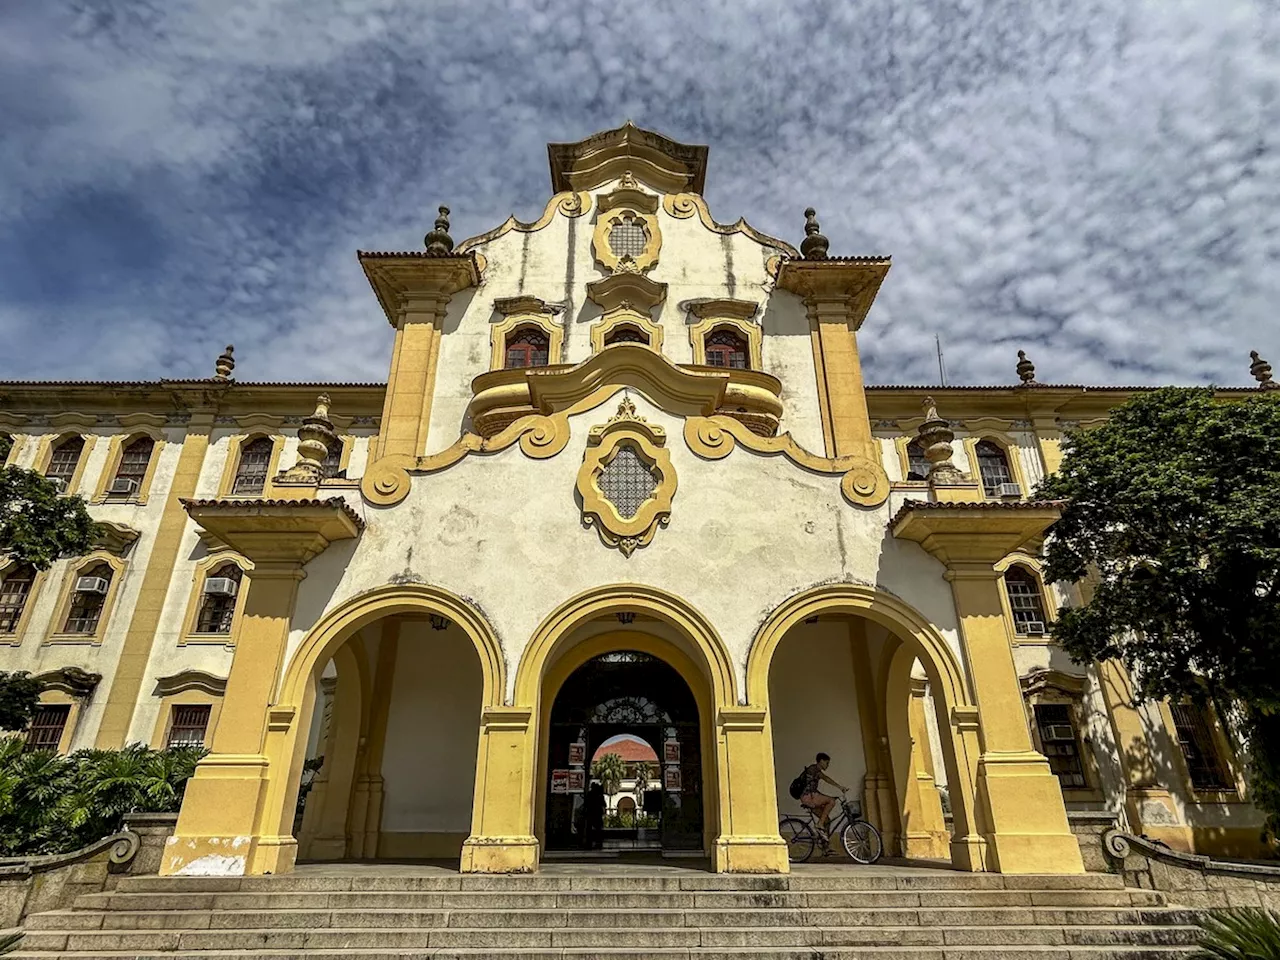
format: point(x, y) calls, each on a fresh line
point(993, 467)
point(1025, 601)
point(134, 460)
point(47, 725)
point(527, 347)
point(726, 348)
point(190, 722)
point(218, 610)
point(1196, 741)
point(627, 238)
point(627, 481)
point(87, 604)
point(918, 464)
point(251, 471)
point(15, 587)
point(626, 334)
point(64, 460)
point(1058, 740)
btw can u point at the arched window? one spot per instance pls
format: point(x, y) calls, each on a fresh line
point(251, 471)
point(331, 465)
point(625, 333)
point(15, 587)
point(218, 600)
point(527, 347)
point(134, 460)
point(993, 467)
point(726, 348)
point(917, 463)
point(88, 597)
point(1025, 601)
point(64, 460)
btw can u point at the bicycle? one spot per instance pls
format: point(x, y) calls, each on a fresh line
point(858, 837)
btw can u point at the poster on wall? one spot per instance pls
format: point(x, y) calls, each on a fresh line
point(671, 780)
point(671, 751)
point(559, 781)
point(577, 781)
point(577, 753)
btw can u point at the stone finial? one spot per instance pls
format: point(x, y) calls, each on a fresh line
point(1026, 369)
point(814, 245)
point(438, 240)
point(935, 440)
point(225, 364)
point(1261, 371)
point(316, 437)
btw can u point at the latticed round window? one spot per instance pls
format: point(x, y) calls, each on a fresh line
point(627, 481)
point(627, 238)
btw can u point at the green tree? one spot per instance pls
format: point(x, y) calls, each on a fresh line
point(609, 769)
point(1172, 518)
point(19, 694)
point(37, 524)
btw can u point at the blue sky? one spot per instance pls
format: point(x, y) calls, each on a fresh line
point(1096, 181)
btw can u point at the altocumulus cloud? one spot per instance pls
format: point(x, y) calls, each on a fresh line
point(1097, 181)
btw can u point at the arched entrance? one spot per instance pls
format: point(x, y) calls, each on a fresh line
point(625, 696)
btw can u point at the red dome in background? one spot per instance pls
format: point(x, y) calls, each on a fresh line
point(630, 749)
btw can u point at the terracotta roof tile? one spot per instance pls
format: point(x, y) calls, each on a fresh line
point(984, 506)
point(338, 502)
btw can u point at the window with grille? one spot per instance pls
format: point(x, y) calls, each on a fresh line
point(918, 464)
point(189, 723)
point(527, 347)
point(1058, 742)
point(15, 587)
point(627, 481)
point(627, 238)
point(626, 334)
point(1025, 601)
point(725, 348)
point(1196, 740)
point(86, 605)
point(251, 471)
point(47, 724)
point(134, 460)
point(331, 465)
point(993, 467)
point(218, 610)
point(64, 460)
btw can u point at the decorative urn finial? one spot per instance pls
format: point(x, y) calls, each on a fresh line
point(225, 364)
point(935, 440)
point(316, 437)
point(814, 245)
point(1026, 369)
point(1261, 371)
point(438, 240)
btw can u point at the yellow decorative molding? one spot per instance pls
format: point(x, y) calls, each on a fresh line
point(624, 317)
point(682, 206)
point(982, 431)
point(568, 203)
point(521, 312)
point(115, 451)
point(203, 569)
point(604, 444)
point(726, 314)
point(237, 443)
point(44, 453)
point(864, 481)
point(58, 625)
point(628, 151)
point(72, 422)
point(641, 262)
point(627, 299)
point(627, 194)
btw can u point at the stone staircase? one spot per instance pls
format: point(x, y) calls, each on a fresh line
point(599, 912)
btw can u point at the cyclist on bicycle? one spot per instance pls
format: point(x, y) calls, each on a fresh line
point(812, 799)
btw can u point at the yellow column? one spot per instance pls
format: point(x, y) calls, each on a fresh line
point(879, 799)
point(135, 653)
point(1049, 440)
point(749, 840)
point(1020, 805)
point(925, 831)
point(846, 422)
point(406, 411)
point(366, 808)
point(502, 839)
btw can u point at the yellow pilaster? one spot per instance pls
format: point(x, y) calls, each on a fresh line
point(135, 653)
point(749, 840)
point(925, 831)
point(879, 799)
point(1049, 440)
point(366, 806)
point(502, 839)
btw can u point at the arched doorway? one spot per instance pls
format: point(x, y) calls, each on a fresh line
point(611, 697)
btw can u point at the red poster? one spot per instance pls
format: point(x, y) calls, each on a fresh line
point(671, 751)
point(577, 781)
point(559, 781)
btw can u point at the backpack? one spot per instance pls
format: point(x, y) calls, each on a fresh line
point(797, 787)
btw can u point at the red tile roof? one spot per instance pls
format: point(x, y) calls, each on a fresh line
point(630, 749)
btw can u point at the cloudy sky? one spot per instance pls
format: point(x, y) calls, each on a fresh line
point(1097, 181)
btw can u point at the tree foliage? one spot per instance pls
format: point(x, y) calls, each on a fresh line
point(1173, 520)
point(609, 769)
point(37, 524)
point(19, 695)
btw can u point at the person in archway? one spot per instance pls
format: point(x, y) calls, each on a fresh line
point(813, 799)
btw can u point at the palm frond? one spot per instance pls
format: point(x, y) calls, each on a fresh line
point(1243, 933)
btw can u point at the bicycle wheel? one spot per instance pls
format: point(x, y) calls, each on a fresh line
point(798, 838)
point(862, 842)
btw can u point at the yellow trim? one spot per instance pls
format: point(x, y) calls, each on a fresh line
point(24, 618)
point(499, 332)
point(184, 698)
point(45, 453)
point(17, 441)
point(569, 204)
point(1010, 448)
point(203, 568)
point(625, 317)
point(682, 206)
point(114, 453)
point(235, 444)
point(713, 321)
point(1034, 567)
point(642, 262)
point(57, 628)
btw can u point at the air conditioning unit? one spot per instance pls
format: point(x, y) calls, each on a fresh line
point(1007, 490)
point(122, 486)
point(92, 584)
point(1057, 731)
point(221, 586)
point(1031, 627)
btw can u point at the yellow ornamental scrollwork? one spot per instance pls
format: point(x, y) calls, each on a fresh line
point(626, 480)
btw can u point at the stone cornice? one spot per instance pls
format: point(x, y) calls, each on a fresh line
point(399, 277)
point(854, 280)
point(664, 163)
point(190, 680)
point(623, 289)
point(69, 680)
point(978, 534)
point(277, 531)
